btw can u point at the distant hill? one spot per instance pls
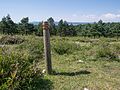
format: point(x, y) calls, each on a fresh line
point(35, 23)
point(74, 23)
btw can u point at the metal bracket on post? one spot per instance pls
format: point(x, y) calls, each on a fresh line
point(47, 50)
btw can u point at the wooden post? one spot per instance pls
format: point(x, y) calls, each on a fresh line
point(47, 50)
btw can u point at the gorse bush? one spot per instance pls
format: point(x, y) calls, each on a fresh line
point(106, 51)
point(16, 71)
point(11, 40)
point(34, 47)
point(61, 48)
point(20, 66)
point(116, 47)
point(64, 47)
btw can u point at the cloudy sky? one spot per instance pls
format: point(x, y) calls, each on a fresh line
point(70, 10)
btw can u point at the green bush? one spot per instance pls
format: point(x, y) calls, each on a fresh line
point(64, 47)
point(34, 47)
point(116, 47)
point(106, 51)
point(17, 72)
point(61, 48)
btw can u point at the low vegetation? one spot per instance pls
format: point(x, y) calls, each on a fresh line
point(11, 40)
point(78, 63)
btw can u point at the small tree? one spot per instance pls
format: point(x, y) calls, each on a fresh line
point(7, 26)
point(39, 29)
point(52, 27)
point(24, 27)
point(60, 27)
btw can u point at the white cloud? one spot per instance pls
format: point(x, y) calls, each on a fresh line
point(89, 17)
point(81, 18)
point(108, 17)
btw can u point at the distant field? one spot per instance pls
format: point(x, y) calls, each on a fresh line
point(77, 62)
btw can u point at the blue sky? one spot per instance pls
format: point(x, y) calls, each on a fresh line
point(70, 10)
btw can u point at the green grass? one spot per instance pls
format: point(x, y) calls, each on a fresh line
point(94, 73)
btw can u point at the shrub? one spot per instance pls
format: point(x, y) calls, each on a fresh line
point(11, 40)
point(36, 51)
point(116, 47)
point(61, 48)
point(86, 40)
point(34, 47)
point(105, 50)
point(64, 47)
point(17, 72)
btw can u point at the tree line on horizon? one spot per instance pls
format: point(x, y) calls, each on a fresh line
point(24, 27)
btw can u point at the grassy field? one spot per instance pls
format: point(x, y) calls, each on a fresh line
point(77, 62)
